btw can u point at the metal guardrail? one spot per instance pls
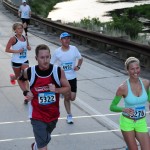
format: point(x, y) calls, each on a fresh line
point(123, 47)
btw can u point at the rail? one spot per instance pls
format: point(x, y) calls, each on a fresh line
point(123, 48)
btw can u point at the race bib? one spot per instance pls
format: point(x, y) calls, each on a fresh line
point(46, 98)
point(25, 14)
point(23, 54)
point(67, 66)
point(139, 112)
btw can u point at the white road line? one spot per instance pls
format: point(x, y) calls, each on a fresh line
point(16, 139)
point(60, 135)
point(104, 119)
point(11, 122)
point(64, 118)
point(63, 134)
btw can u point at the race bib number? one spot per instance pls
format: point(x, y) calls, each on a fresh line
point(139, 112)
point(24, 53)
point(25, 14)
point(67, 66)
point(46, 98)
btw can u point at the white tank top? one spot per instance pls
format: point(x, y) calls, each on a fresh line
point(19, 57)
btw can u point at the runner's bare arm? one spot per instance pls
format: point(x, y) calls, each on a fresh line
point(23, 79)
point(8, 49)
point(65, 86)
point(80, 61)
point(19, 13)
point(28, 45)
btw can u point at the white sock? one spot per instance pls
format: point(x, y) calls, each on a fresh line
point(35, 146)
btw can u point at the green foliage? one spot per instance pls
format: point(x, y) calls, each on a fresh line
point(126, 22)
point(141, 10)
point(96, 21)
point(42, 7)
point(88, 23)
point(85, 22)
point(131, 26)
point(121, 24)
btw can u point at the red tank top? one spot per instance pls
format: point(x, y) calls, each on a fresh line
point(45, 104)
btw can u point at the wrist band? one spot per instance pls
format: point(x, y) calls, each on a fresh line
point(78, 67)
point(25, 92)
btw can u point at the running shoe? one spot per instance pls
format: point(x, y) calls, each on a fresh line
point(32, 146)
point(12, 79)
point(69, 119)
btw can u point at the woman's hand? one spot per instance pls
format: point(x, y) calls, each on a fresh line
point(29, 48)
point(20, 50)
point(129, 111)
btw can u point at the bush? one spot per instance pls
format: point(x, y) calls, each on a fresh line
point(130, 25)
point(141, 10)
point(88, 23)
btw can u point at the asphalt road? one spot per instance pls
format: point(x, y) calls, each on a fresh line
point(94, 128)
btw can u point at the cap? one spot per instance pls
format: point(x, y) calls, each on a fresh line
point(64, 34)
point(24, 1)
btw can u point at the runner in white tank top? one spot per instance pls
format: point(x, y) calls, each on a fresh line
point(19, 57)
point(18, 45)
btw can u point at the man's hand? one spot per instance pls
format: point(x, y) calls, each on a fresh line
point(29, 96)
point(52, 87)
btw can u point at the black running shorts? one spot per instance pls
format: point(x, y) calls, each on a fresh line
point(73, 84)
point(18, 65)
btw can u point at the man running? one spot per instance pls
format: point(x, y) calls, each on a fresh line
point(46, 83)
point(70, 59)
point(25, 13)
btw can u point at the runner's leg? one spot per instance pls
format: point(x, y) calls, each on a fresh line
point(129, 137)
point(143, 139)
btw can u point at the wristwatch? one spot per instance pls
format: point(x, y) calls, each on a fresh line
point(78, 67)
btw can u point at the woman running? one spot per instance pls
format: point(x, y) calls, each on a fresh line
point(18, 45)
point(135, 91)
